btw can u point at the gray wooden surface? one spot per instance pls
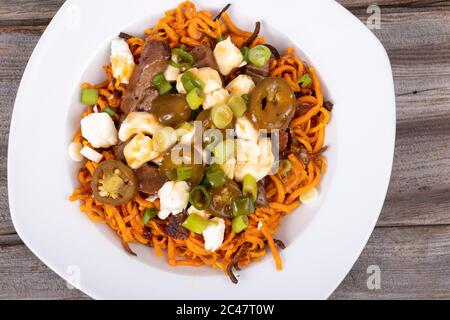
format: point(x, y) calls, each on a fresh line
point(411, 243)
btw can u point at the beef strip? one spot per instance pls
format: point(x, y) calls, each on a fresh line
point(261, 199)
point(283, 140)
point(118, 149)
point(257, 73)
point(174, 226)
point(141, 93)
point(204, 57)
point(149, 179)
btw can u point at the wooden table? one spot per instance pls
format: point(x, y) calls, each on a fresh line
point(411, 243)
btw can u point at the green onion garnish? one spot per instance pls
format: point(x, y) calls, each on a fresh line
point(195, 223)
point(249, 186)
point(184, 173)
point(109, 111)
point(161, 84)
point(239, 224)
point(221, 116)
point(238, 105)
point(259, 55)
point(149, 215)
point(200, 198)
point(185, 59)
point(89, 96)
point(214, 176)
point(246, 98)
point(244, 51)
point(284, 167)
point(242, 206)
point(190, 81)
point(224, 151)
point(194, 98)
point(305, 80)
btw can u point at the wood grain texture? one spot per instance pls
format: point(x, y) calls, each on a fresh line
point(411, 243)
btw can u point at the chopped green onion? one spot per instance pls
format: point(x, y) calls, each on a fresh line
point(212, 138)
point(109, 111)
point(238, 105)
point(221, 116)
point(190, 81)
point(200, 198)
point(214, 176)
point(161, 84)
point(224, 151)
point(284, 167)
point(244, 51)
point(185, 59)
point(239, 224)
point(89, 96)
point(194, 98)
point(246, 98)
point(259, 55)
point(305, 80)
point(195, 223)
point(249, 186)
point(184, 173)
point(149, 215)
point(242, 206)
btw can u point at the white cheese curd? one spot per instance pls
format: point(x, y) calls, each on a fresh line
point(74, 151)
point(91, 154)
point(138, 122)
point(99, 130)
point(242, 84)
point(247, 151)
point(187, 137)
point(208, 76)
point(260, 225)
point(214, 234)
point(228, 168)
point(310, 196)
point(152, 198)
point(139, 151)
point(173, 198)
point(201, 213)
point(171, 73)
point(220, 96)
point(164, 139)
point(245, 130)
point(261, 167)
point(228, 56)
point(122, 61)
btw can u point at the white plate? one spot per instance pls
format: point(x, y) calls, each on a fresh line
point(323, 240)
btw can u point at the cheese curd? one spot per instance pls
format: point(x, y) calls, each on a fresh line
point(91, 154)
point(99, 130)
point(247, 151)
point(74, 151)
point(260, 168)
point(214, 234)
point(228, 168)
point(139, 151)
point(122, 61)
point(310, 196)
point(228, 56)
point(171, 73)
point(201, 213)
point(216, 97)
point(173, 198)
point(245, 130)
point(138, 122)
point(208, 76)
point(242, 84)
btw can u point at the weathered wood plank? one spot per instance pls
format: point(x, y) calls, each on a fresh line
point(28, 12)
point(407, 4)
point(414, 264)
point(23, 276)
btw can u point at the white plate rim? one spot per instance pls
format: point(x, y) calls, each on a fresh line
point(14, 179)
